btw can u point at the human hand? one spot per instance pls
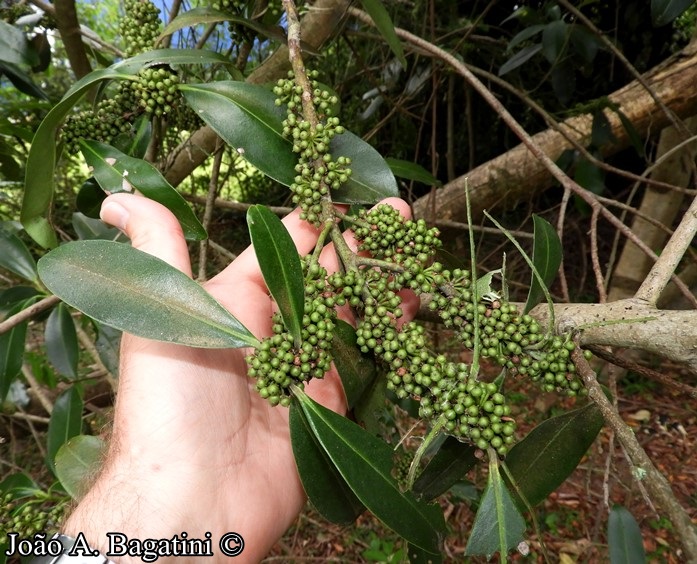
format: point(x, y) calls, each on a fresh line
point(194, 448)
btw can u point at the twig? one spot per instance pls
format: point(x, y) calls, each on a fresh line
point(88, 345)
point(656, 484)
point(221, 250)
point(597, 270)
point(627, 364)
point(36, 389)
point(664, 268)
point(208, 211)
point(28, 313)
point(37, 439)
point(29, 417)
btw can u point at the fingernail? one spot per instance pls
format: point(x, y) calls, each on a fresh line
point(114, 214)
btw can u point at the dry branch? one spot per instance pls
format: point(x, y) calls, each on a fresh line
point(518, 175)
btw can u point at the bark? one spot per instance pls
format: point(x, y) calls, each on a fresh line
point(517, 175)
point(69, 28)
point(318, 26)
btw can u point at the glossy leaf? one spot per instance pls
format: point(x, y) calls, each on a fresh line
point(546, 256)
point(65, 423)
point(61, 341)
point(447, 466)
point(520, 58)
point(171, 57)
point(77, 463)
point(356, 370)
point(141, 294)
point(15, 257)
point(665, 11)
point(498, 525)
point(21, 81)
point(117, 172)
point(551, 451)
point(365, 462)
point(280, 266)
point(90, 198)
point(322, 482)
point(377, 12)
point(412, 171)
point(624, 538)
point(19, 484)
point(369, 411)
point(12, 349)
point(39, 179)
point(246, 117)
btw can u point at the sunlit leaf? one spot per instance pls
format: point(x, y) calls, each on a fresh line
point(77, 463)
point(139, 293)
point(116, 172)
point(546, 256)
point(65, 423)
point(14, 47)
point(171, 57)
point(624, 538)
point(322, 482)
point(61, 341)
point(280, 266)
point(377, 12)
point(551, 451)
point(365, 462)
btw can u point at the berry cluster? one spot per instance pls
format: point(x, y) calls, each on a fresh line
point(28, 517)
point(156, 90)
point(278, 362)
point(103, 123)
point(384, 233)
point(140, 26)
point(317, 171)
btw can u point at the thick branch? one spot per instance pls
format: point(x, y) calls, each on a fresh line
point(318, 26)
point(69, 28)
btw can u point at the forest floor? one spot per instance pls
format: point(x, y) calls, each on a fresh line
point(573, 520)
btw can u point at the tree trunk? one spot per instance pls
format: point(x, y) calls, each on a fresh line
point(517, 175)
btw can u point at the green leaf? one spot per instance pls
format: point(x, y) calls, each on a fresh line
point(371, 179)
point(357, 371)
point(12, 349)
point(141, 294)
point(171, 57)
point(14, 47)
point(601, 130)
point(65, 423)
point(323, 484)
point(417, 555)
point(498, 525)
point(632, 133)
point(554, 38)
point(39, 179)
point(665, 11)
point(77, 463)
point(412, 171)
point(15, 257)
point(108, 346)
point(246, 117)
point(449, 465)
point(551, 451)
point(383, 23)
point(117, 172)
point(280, 266)
point(88, 228)
point(546, 256)
point(365, 462)
point(21, 80)
point(520, 58)
point(528, 33)
point(590, 176)
point(90, 198)
point(61, 341)
point(624, 538)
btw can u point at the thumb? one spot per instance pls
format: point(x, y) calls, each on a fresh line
point(151, 227)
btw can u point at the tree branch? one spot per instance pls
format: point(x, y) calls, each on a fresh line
point(69, 28)
point(28, 313)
